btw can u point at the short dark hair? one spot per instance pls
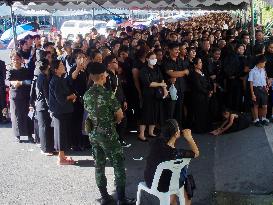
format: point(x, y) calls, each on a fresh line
point(108, 59)
point(260, 59)
point(123, 49)
point(173, 45)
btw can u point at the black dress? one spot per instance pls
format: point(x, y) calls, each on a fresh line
point(161, 152)
point(200, 103)
point(19, 102)
point(152, 110)
point(239, 123)
point(43, 116)
point(62, 112)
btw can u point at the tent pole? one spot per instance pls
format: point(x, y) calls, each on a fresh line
point(252, 22)
point(13, 27)
point(93, 11)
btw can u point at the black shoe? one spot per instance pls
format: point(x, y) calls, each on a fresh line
point(18, 139)
point(109, 200)
point(265, 123)
point(31, 140)
point(258, 124)
point(127, 201)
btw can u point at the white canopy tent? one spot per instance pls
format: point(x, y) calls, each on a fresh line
point(81, 4)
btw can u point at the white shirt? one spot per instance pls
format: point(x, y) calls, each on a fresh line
point(257, 76)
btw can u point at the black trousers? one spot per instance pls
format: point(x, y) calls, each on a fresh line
point(235, 94)
point(174, 110)
point(121, 129)
point(77, 121)
point(45, 131)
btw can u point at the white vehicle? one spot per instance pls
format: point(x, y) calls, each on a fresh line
point(71, 28)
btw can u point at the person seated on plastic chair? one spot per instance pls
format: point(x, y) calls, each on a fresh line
point(163, 149)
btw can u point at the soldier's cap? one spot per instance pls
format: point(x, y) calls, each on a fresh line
point(96, 68)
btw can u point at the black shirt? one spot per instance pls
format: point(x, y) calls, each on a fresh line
point(58, 92)
point(178, 65)
point(42, 93)
point(147, 76)
point(113, 83)
point(78, 85)
point(161, 152)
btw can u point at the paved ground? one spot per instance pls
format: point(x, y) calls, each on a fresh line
point(239, 162)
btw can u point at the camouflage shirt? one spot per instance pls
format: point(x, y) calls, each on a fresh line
point(107, 105)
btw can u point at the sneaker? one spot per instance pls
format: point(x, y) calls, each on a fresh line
point(265, 122)
point(258, 124)
point(124, 144)
point(127, 201)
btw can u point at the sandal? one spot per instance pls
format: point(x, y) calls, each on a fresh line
point(66, 162)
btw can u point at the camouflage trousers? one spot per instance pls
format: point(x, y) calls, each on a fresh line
point(107, 145)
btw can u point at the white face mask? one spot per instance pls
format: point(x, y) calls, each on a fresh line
point(152, 61)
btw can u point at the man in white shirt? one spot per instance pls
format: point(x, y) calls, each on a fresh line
point(259, 91)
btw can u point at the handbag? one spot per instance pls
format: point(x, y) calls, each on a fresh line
point(190, 186)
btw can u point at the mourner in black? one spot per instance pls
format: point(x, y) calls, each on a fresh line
point(3, 103)
point(78, 83)
point(201, 92)
point(153, 91)
point(61, 105)
point(175, 73)
point(42, 108)
point(164, 149)
point(113, 83)
point(20, 81)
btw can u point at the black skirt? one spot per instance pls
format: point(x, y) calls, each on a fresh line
point(45, 131)
point(62, 131)
point(21, 123)
point(151, 111)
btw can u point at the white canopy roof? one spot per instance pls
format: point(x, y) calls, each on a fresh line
point(151, 4)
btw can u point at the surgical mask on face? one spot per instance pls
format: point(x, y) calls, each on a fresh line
point(152, 61)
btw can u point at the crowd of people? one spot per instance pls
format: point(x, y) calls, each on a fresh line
point(203, 72)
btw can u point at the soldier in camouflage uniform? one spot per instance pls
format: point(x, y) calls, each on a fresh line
point(104, 111)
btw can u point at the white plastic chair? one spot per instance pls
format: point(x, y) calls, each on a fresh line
point(164, 197)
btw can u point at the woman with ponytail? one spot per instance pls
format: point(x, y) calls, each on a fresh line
point(42, 107)
point(163, 149)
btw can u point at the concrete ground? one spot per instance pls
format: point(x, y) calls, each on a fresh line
point(239, 162)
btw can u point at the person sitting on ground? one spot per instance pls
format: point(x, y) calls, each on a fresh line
point(163, 149)
point(233, 123)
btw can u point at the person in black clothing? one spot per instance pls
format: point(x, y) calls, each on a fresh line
point(233, 123)
point(113, 83)
point(3, 103)
point(20, 81)
point(233, 67)
point(153, 90)
point(269, 72)
point(216, 78)
point(175, 73)
point(61, 105)
point(42, 108)
point(201, 92)
point(78, 78)
point(204, 55)
point(136, 94)
point(163, 149)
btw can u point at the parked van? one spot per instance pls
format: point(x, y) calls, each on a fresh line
point(71, 28)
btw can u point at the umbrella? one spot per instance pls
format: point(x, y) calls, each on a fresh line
point(8, 34)
point(21, 36)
